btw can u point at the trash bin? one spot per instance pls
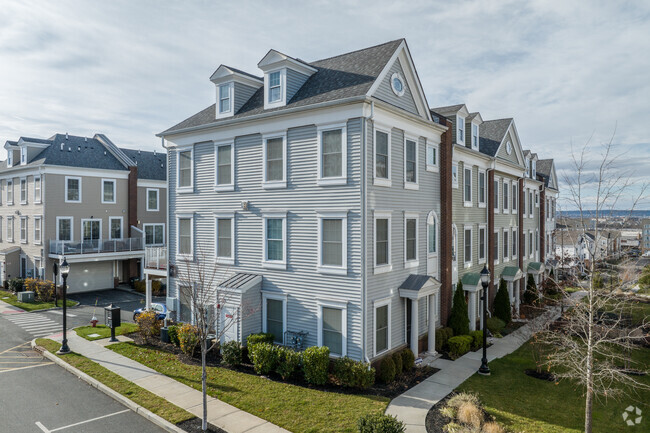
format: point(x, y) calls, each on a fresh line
point(164, 334)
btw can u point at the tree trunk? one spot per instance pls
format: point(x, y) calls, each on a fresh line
point(204, 424)
point(588, 409)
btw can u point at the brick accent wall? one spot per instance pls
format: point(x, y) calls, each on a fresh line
point(445, 223)
point(521, 209)
point(132, 214)
point(542, 227)
point(490, 229)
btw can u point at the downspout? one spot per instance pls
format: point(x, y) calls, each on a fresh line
point(178, 313)
point(489, 233)
point(364, 224)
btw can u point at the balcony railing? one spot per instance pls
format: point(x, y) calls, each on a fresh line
point(65, 248)
point(155, 257)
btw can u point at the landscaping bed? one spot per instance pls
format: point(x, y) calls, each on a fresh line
point(10, 298)
point(104, 331)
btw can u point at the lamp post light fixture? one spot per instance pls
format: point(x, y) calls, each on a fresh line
point(65, 270)
point(485, 281)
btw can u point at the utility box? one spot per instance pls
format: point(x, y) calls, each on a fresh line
point(25, 296)
point(112, 316)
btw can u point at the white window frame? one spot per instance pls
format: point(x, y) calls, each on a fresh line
point(37, 269)
point(274, 264)
point(482, 203)
point(10, 191)
point(2, 191)
point(434, 215)
point(180, 256)
point(485, 244)
point(110, 227)
point(59, 218)
point(468, 264)
point(114, 182)
point(153, 244)
point(536, 237)
point(475, 137)
point(225, 186)
point(525, 208)
point(378, 304)
point(460, 129)
point(38, 234)
point(343, 216)
point(496, 192)
point(23, 155)
point(157, 191)
point(497, 239)
point(531, 243)
point(430, 147)
point(24, 188)
point(1, 232)
point(229, 111)
point(274, 297)
point(344, 324)
point(10, 225)
point(412, 185)
point(505, 253)
point(187, 188)
point(222, 259)
point(505, 190)
point(534, 169)
point(80, 189)
point(537, 199)
point(23, 220)
point(38, 191)
point(10, 158)
point(530, 203)
point(515, 197)
point(333, 180)
point(283, 89)
point(386, 267)
point(275, 184)
point(470, 202)
point(381, 181)
point(101, 223)
point(454, 179)
point(413, 263)
point(514, 243)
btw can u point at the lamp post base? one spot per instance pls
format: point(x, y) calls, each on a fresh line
point(484, 371)
point(64, 349)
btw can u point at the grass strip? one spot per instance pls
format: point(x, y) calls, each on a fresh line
point(104, 331)
point(31, 306)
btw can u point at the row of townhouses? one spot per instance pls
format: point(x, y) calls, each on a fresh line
point(343, 206)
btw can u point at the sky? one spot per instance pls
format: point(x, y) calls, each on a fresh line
point(569, 72)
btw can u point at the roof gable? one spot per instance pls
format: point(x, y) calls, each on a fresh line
point(494, 136)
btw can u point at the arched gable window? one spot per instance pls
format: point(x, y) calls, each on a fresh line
point(454, 242)
point(432, 233)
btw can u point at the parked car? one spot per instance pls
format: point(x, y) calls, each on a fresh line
point(160, 309)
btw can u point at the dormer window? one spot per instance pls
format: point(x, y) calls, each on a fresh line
point(225, 91)
point(474, 136)
point(527, 167)
point(460, 130)
point(275, 86)
point(234, 89)
point(10, 158)
point(23, 155)
point(534, 169)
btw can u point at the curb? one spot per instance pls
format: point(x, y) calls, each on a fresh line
point(145, 413)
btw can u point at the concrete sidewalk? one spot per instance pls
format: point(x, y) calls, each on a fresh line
point(412, 406)
point(220, 414)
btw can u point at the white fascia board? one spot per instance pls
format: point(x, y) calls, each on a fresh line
point(274, 59)
point(82, 171)
point(508, 168)
point(20, 171)
point(224, 74)
point(150, 183)
point(464, 154)
point(22, 142)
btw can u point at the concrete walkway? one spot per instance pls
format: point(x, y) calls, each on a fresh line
point(220, 414)
point(412, 406)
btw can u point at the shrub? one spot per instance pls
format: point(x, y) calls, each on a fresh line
point(502, 308)
point(43, 289)
point(477, 339)
point(315, 364)
point(380, 423)
point(397, 360)
point(264, 357)
point(530, 297)
point(459, 345)
point(459, 318)
point(387, 370)
point(156, 287)
point(598, 281)
point(288, 362)
point(442, 336)
point(353, 374)
point(188, 338)
point(470, 414)
point(140, 286)
point(461, 398)
point(148, 325)
point(408, 360)
point(16, 285)
point(262, 337)
point(492, 427)
point(172, 331)
point(231, 353)
point(495, 325)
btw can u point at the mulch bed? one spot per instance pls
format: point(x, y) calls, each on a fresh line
point(194, 426)
point(530, 312)
point(435, 421)
point(544, 375)
point(511, 327)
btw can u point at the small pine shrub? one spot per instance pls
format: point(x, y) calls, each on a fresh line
point(353, 374)
point(264, 357)
point(380, 423)
point(495, 325)
point(148, 325)
point(172, 331)
point(188, 338)
point(387, 370)
point(397, 360)
point(288, 362)
point(231, 353)
point(477, 339)
point(502, 308)
point(262, 337)
point(459, 318)
point(530, 296)
point(315, 364)
point(441, 339)
point(408, 360)
point(459, 345)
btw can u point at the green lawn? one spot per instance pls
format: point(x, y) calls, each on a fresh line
point(141, 396)
point(525, 404)
point(292, 407)
point(31, 306)
point(104, 331)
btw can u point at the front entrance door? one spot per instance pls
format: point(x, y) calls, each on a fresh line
point(230, 323)
point(408, 316)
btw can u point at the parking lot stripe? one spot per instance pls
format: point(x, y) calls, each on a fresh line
point(23, 368)
point(79, 423)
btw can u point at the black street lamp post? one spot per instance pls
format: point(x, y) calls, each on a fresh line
point(485, 281)
point(65, 269)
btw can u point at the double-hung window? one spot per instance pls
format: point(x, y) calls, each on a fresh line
point(332, 234)
point(225, 238)
point(275, 315)
point(468, 247)
point(154, 234)
point(225, 98)
point(432, 157)
point(382, 242)
point(275, 86)
point(454, 175)
point(515, 197)
point(530, 203)
point(185, 224)
point(23, 191)
point(410, 164)
point(332, 326)
point(496, 247)
point(10, 229)
point(481, 188)
point(382, 326)
point(225, 167)
point(38, 221)
point(530, 243)
point(333, 155)
point(153, 194)
point(382, 158)
point(482, 244)
point(275, 156)
point(515, 234)
point(115, 224)
point(411, 239)
point(37, 189)
point(275, 240)
point(72, 189)
point(467, 186)
point(23, 229)
point(432, 233)
point(506, 196)
point(506, 245)
point(10, 191)
point(185, 170)
point(64, 229)
point(460, 130)
point(496, 196)
point(474, 136)
point(108, 191)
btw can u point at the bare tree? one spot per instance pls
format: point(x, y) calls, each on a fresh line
point(595, 340)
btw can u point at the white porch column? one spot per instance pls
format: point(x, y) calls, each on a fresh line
point(432, 324)
point(472, 311)
point(517, 297)
point(147, 293)
point(414, 327)
point(510, 292)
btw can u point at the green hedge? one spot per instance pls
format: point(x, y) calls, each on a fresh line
point(315, 364)
point(459, 345)
point(477, 339)
point(495, 325)
point(262, 337)
point(264, 357)
point(288, 362)
point(387, 370)
point(231, 353)
point(353, 374)
point(397, 360)
point(408, 360)
point(380, 423)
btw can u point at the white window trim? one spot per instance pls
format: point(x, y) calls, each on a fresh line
point(283, 89)
point(220, 259)
point(157, 208)
point(482, 204)
point(24, 179)
point(144, 229)
point(23, 155)
point(435, 168)
point(80, 189)
point(475, 143)
point(413, 263)
point(110, 227)
point(454, 181)
point(537, 199)
point(231, 99)
point(525, 208)
point(466, 263)
point(114, 182)
point(515, 197)
point(275, 297)
point(460, 121)
point(189, 256)
point(226, 186)
point(333, 214)
point(380, 181)
point(505, 203)
point(344, 323)
point(23, 219)
point(338, 180)
point(10, 223)
point(275, 264)
point(412, 185)
point(38, 197)
point(506, 254)
point(83, 220)
point(10, 158)
point(189, 188)
point(71, 227)
point(436, 223)
point(531, 244)
point(380, 269)
point(10, 189)
point(378, 304)
point(497, 239)
point(530, 203)
point(497, 195)
point(515, 238)
point(485, 243)
point(275, 184)
point(470, 202)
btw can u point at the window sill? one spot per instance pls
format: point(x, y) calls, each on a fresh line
point(224, 261)
point(38, 202)
point(411, 186)
point(23, 242)
point(279, 184)
point(222, 188)
point(327, 181)
point(506, 211)
point(468, 204)
point(505, 260)
point(454, 186)
point(482, 205)
point(481, 261)
point(411, 264)
point(496, 211)
point(23, 202)
point(468, 265)
point(70, 201)
point(433, 168)
point(185, 190)
point(327, 270)
point(275, 265)
point(496, 262)
point(382, 182)
point(382, 269)
point(38, 243)
point(153, 210)
point(185, 257)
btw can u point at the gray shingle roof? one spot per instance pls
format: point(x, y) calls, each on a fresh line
point(471, 116)
point(544, 166)
point(347, 75)
point(448, 109)
point(492, 133)
point(239, 71)
point(36, 140)
point(150, 166)
point(415, 282)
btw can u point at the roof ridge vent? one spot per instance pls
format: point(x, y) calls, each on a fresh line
point(61, 146)
point(69, 149)
point(86, 139)
point(78, 148)
point(66, 135)
point(154, 152)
